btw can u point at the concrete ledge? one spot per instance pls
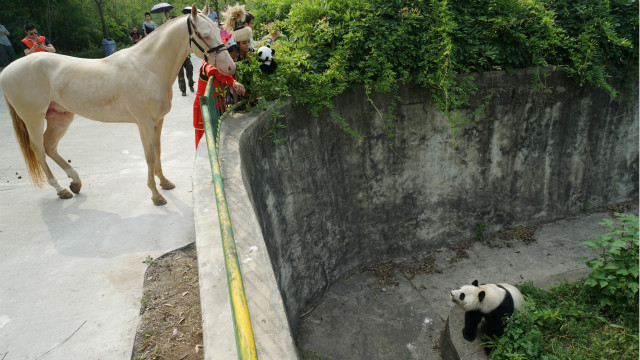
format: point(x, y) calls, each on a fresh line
point(217, 324)
point(268, 319)
point(454, 347)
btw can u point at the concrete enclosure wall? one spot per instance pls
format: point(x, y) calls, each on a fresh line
point(329, 203)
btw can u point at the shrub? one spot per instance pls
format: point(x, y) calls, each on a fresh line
point(564, 322)
point(614, 276)
point(335, 44)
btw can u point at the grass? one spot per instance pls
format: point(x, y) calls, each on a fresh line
point(150, 261)
point(145, 300)
point(567, 322)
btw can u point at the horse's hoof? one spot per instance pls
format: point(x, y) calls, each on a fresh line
point(65, 194)
point(158, 200)
point(75, 187)
point(167, 185)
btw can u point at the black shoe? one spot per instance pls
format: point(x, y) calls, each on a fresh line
point(191, 88)
point(184, 93)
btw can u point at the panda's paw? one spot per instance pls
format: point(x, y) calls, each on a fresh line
point(468, 335)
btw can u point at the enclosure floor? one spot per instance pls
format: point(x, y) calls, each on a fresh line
point(398, 311)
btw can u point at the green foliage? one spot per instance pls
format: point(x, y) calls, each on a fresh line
point(565, 322)
point(263, 10)
point(522, 338)
point(275, 123)
point(292, 65)
point(432, 44)
point(614, 276)
point(601, 38)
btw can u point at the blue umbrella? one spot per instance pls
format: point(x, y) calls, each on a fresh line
point(160, 8)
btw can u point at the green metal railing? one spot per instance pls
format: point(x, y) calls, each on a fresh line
point(212, 117)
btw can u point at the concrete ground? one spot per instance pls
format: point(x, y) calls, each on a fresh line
point(72, 270)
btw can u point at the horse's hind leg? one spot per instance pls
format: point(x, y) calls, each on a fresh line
point(56, 128)
point(164, 182)
point(36, 136)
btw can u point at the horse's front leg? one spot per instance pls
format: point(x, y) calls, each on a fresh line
point(147, 135)
point(164, 182)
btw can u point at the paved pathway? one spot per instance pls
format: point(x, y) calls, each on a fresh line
point(71, 270)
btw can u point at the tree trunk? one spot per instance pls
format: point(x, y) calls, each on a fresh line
point(104, 24)
point(49, 19)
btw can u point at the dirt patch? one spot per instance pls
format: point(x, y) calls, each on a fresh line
point(523, 234)
point(171, 317)
point(409, 268)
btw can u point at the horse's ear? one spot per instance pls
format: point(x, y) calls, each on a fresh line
point(194, 12)
point(206, 10)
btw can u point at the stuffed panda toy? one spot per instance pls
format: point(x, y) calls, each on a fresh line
point(489, 302)
point(265, 54)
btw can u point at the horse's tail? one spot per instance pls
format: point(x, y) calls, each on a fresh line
point(20, 129)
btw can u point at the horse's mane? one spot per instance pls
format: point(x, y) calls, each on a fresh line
point(161, 28)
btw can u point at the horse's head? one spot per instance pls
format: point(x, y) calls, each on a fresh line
point(204, 36)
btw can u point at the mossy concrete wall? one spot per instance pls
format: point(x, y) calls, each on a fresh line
point(328, 203)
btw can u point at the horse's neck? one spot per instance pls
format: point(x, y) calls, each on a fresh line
point(165, 52)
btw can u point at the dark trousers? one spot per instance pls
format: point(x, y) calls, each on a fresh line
point(187, 67)
point(6, 54)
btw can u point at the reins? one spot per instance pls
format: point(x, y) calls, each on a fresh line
point(211, 50)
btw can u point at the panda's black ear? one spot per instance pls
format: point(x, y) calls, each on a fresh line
point(481, 296)
point(475, 283)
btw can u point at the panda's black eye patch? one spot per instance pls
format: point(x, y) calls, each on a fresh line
point(462, 296)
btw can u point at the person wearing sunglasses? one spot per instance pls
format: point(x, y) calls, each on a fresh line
point(34, 43)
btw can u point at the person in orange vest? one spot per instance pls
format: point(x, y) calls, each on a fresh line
point(34, 43)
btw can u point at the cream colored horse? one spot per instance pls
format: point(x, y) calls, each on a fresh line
point(132, 85)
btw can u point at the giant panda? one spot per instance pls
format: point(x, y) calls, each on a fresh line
point(488, 301)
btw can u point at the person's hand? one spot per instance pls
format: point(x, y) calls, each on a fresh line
point(42, 46)
point(239, 88)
